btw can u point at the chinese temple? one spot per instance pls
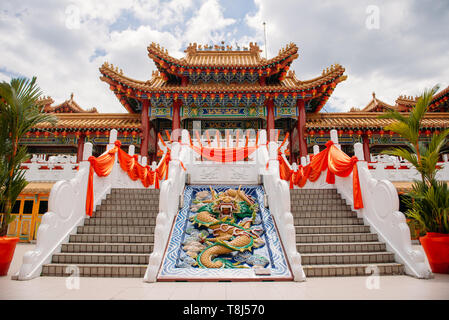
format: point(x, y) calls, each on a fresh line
point(216, 87)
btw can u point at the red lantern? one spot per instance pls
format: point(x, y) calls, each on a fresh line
point(97, 133)
point(340, 132)
point(381, 132)
point(350, 132)
point(56, 134)
point(359, 132)
point(369, 133)
point(133, 133)
point(46, 133)
point(125, 133)
point(64, 134)
point(321, 133)
point(311, 133)
point(88, 133)
point(428, 133)
point(37, 133)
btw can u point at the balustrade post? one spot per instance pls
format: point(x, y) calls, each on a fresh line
point(334, 138)
point(132, 150)
point(316, 149)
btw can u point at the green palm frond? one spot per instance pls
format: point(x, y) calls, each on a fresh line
point(19, 112)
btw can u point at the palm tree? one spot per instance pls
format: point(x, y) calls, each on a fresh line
point(428, 201)
point(423, 157)
point(18, 114)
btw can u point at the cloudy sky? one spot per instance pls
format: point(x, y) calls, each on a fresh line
point(390, 47)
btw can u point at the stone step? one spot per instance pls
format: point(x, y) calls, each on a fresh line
point(127, 201)
point(320, 207)
point(339, 247)
point(111, 238)
point(135, 191)
point(128, 208)
point(347, 258)
point(326, 229)
point(95, 270)
point(107, 247)
point(140, 197)
point(315, 197)
point(125, 214)
point(324, 214)
point(116, 229)
point(326, 221)
point(101, 258)
point(120, 222)
point(336, 237)
point(330, 270)
point(313, 191)
point(307, 201)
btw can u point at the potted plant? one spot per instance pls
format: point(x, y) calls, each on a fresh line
point(19, 112)
point(428, 202)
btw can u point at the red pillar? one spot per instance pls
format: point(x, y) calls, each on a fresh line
point(366, 151)
point(176, 120)
point(153, 142)
point(80, 151)
point(270, 120)
point(290, 144)
point(145, 128)
point(301, 127)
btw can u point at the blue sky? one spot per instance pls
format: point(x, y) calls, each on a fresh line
point(391, 47)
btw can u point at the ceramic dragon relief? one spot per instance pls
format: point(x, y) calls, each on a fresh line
point(224, 231)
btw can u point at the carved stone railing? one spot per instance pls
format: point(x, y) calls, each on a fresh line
point(381, 213)
point(169, 203)
point(278, 194)
point(49, 170)
point(404, 171)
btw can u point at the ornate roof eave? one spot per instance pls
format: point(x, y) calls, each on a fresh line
point(287, 85)
point(92, 121)
point(318, 89)
point(375, 103)
point(177, 67)
point(368, 120)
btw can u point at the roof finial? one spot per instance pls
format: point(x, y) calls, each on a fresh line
point(71, 96)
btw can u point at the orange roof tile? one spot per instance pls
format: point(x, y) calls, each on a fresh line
point(157, 84)
point(367, 120)
point(93, 121)
point(219, 56)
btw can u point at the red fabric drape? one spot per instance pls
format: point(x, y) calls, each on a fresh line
point(103, 165)
point(336, 161)
point(224, 154)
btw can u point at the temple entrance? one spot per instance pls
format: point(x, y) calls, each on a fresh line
point(223, 124)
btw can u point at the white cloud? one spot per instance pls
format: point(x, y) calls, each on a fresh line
point(207, 24)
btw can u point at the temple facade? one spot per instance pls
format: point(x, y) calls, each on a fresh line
point(212, 87)
point(218, 87)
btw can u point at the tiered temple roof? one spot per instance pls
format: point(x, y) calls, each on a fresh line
point(439, 103)
point(220, 76)
point(367, 121)
point(68, 106)
point(92, 122)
